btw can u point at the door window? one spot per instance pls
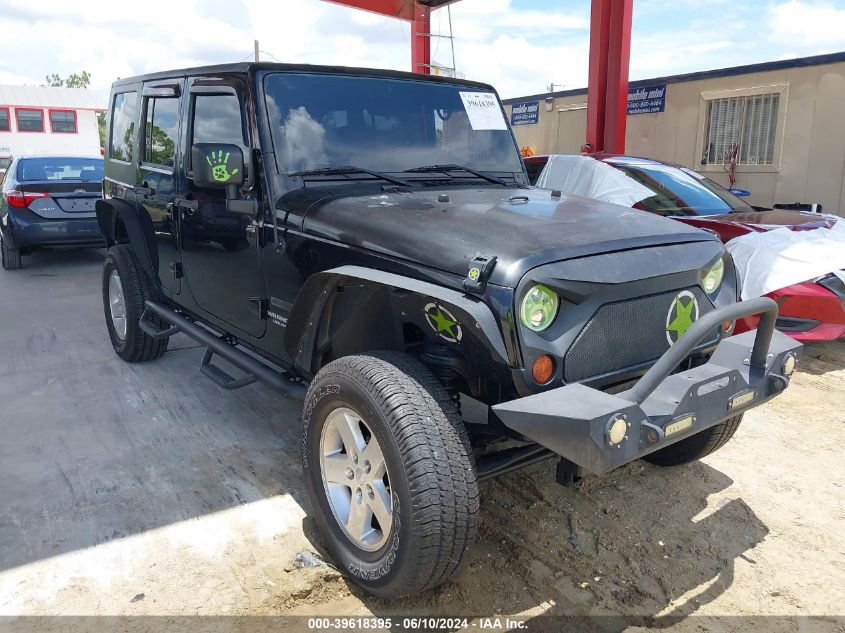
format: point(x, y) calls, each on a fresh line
point(218, 119)
point(161, 127)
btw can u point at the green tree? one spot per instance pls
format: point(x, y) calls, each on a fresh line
point(74, 80)
point(101, 127)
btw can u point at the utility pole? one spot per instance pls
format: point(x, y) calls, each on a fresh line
point(256, 49)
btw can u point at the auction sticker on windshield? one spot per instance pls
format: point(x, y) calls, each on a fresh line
point(483, 111)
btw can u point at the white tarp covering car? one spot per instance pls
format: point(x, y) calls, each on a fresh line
point(583, 176)
point(776, 259)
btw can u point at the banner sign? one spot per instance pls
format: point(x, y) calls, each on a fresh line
point(525, 113)
point(647, 99)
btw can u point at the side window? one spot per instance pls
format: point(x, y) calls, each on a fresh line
point(63, 121)
point(161, 127)
point(124, 109)
point(30, 120)
point(5, 123)
point(218, 119)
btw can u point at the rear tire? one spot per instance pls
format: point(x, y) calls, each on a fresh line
point(125, 284)
point(429, 489)
point(696, 446)
point(9, 257)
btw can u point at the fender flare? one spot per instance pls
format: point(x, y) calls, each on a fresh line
point(139, 232)
point(311, 301)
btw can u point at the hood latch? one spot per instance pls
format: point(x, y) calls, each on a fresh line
point(479, 271)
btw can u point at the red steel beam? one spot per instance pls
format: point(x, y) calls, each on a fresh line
point(607, 94)
point(402, 9)
point(421, 40)
point(597, 77)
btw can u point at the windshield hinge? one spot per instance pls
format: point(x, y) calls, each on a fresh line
point(258, 306)
point(479, 271)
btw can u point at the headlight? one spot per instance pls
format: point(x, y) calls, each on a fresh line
point(713, 279)
point(538, 308)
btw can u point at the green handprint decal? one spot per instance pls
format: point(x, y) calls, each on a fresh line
point(219, 166)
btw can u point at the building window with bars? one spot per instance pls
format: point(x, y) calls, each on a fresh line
point(747, 124)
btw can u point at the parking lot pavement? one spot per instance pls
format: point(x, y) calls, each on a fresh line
point(96, 450)
point(146, 489)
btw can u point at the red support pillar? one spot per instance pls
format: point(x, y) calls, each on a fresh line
point(421, 40)
point(607, 94)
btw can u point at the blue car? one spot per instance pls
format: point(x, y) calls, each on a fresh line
point(49, 201)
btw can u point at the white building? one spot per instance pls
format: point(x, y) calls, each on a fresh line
point(42, 120)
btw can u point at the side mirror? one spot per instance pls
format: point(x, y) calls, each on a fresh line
point(217, 165)
point(221, 166)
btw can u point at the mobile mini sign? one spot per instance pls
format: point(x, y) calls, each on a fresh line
point(647, 99)
point(525, 113)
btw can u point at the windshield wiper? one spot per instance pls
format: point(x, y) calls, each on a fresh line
point(447, 168)
point(349, 169)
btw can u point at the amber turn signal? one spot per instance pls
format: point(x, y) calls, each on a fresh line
point(543, 369)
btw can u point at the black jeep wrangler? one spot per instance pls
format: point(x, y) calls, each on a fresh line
point(366, 241)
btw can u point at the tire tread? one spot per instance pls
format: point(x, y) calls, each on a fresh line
point(139, 346)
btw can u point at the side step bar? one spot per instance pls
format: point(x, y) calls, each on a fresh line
point(255, 369)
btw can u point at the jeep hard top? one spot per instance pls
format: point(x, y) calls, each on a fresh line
point(366, 241)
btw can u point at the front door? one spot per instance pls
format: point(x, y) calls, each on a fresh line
point(219, 250)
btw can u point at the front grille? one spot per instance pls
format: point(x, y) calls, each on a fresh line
point(626, 334)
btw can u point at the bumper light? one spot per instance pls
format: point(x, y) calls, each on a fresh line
point(679, 425)
point(617, 430)
point(789, 365)
point(741, 399)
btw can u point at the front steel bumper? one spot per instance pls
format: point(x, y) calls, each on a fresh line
point(744, 371)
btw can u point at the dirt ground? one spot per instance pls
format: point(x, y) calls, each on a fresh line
point(756, 529)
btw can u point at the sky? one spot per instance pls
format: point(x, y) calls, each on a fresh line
point(519, 46)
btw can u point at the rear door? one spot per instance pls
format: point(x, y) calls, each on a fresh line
point(220, 251)
point(156, 180)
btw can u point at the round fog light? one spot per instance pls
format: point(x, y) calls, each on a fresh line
point(542, 369)
point(789, 365)
point(616, 429)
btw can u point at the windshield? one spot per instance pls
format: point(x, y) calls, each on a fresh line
point(60, 168)
point(386, 125)
point(680, 191)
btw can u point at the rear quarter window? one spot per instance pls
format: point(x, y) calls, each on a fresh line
point(122, 135)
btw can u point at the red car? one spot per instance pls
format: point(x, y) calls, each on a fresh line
point(810, 311)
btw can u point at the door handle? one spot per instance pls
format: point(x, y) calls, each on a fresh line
point(189, 206)
point(255, 233)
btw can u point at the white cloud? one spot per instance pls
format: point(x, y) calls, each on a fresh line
point(520, 51)
point(807, 24)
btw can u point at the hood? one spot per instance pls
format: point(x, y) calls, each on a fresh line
point(731, 225)
point(445, 228)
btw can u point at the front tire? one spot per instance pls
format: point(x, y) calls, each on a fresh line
point(389, 473)
point(696, 446)
point(125, 289)
point(10, 258)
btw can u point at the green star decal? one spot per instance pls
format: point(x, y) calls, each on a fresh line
point(683, 317)
point(442, 323)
